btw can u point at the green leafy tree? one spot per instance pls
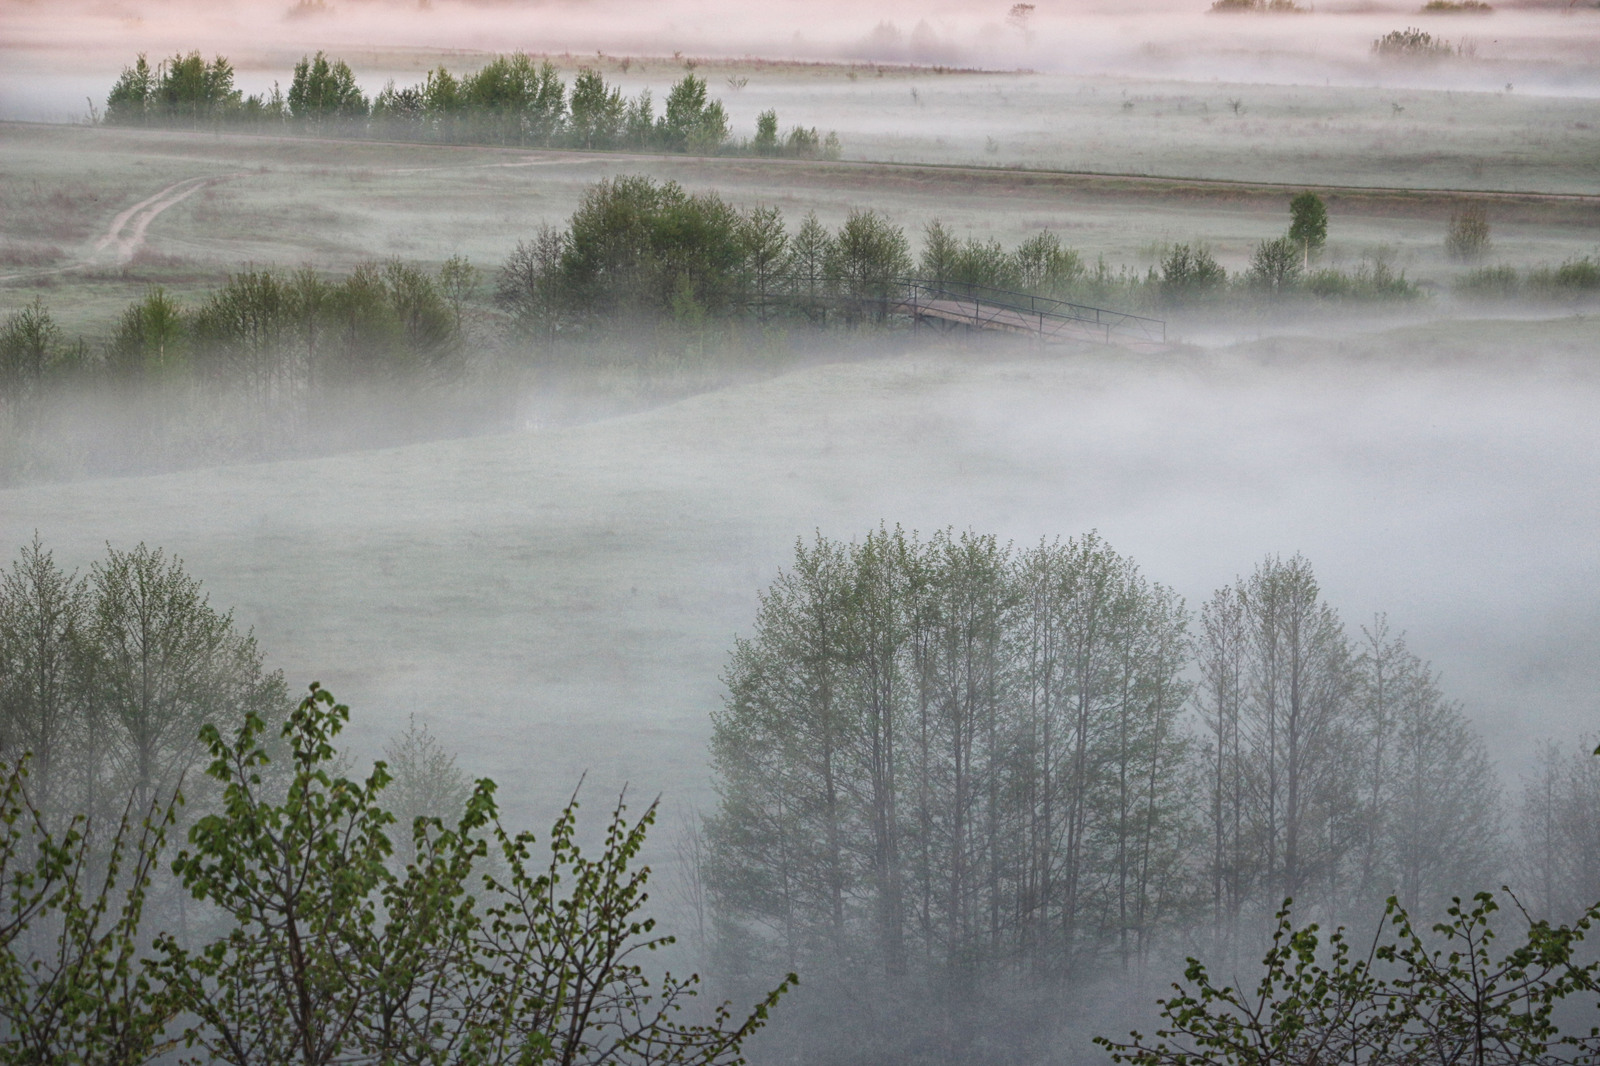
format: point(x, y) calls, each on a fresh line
point(1422, 1000)
point(1045, 267)
point(325, 90)
point(75, 989)
point(1308, 224)
point(939, 251)
point(867, 261)
point(766, 255)
point(30, 341)
point(692, 122)
point(597, 114)
point(190, 90)
point(766, 138)
point(513, 100)
point(150, 340)
point(43, 616)
point(1275, 267)
point(333, 956)
point(128, 103)
point(1190, 273)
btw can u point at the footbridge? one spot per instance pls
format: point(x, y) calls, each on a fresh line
point(949, 306)
point(980, 307)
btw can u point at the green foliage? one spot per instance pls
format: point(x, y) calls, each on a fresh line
point(1308, 222)
point(1374, 279)
point(1452, 997)
point(888, 759)
point(30, 342)
point(866, 261)
point(318, 948)
point(1275, 267)
point(1190, 274)
point(766, 139)
point(692, 122)
point(128, 103)
point(325, 90)
point(1261, 7)
point(1456, 7)
point(331, 955)
point(1045, 267)
point(512, 100)
point(1499, 281)
point(74, 989)
point(598, 114)
point(635, 245)
point(150, 338)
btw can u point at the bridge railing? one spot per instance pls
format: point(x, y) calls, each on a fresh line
point(990, 307)
point(1138, 327)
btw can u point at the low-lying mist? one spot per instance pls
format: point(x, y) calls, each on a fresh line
point(562, 598)
point(1543, 50)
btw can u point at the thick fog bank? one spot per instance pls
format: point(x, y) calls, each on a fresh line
point(560, 600)
point(57, 54)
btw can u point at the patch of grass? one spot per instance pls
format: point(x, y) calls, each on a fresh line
point(1500, 281)
point(1456, 7)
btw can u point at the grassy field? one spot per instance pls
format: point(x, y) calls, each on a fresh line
point(290, 201)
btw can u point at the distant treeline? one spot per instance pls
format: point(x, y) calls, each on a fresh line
point(511, 100)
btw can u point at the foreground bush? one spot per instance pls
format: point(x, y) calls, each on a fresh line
point(1412, 999)
point(321, 951)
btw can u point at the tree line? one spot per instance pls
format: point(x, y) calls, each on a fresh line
point(950, 760)
point(510, 100)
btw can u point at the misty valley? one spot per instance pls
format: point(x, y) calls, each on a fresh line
point(1075, 545)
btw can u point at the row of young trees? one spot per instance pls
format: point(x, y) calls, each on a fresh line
point(511, 100)
point(950, 758)
point(279, 348)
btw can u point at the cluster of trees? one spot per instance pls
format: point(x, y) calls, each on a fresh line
point(295, 924)
point(511, 100)
point(639, 250)
point(944, 757)
point(106, 678)
point(311, 945)
point(949, 759)
point(280, 347)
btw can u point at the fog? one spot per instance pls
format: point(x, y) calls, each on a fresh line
point(546, 553)
point(563, 599)
point(57, 54)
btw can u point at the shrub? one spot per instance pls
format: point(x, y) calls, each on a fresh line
point(1456, 7)
point(1468, 234)
point(1410, 43)
point(1275, 267)
point(1190, 273)
point(1574, 277)
point(1454, 997)
point(1373, 280)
